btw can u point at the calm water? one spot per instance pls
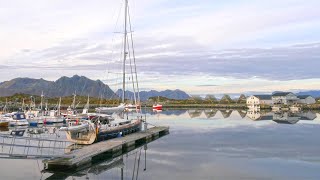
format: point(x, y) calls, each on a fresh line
point(202, 144)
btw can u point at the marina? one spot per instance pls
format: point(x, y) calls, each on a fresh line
point(157, 90)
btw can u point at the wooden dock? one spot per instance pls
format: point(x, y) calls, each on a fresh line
point(112, 146)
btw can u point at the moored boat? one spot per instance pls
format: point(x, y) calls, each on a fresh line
point(18, 119)
point(100, 129)
point(157, 106)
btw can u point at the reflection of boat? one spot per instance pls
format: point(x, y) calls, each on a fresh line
point(210, 112)
point(4, 128)
point(157, 110)
point(103, 163)
point(35, 130)
point(285, 121)
point(226, 113)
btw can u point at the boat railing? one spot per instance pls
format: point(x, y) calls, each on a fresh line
point(15, 145)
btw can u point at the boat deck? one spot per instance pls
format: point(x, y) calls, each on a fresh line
point(112, 146)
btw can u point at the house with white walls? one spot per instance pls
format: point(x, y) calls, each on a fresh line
point(254, 101)
point(286, 98)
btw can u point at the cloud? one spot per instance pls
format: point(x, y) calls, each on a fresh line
point(224, 46)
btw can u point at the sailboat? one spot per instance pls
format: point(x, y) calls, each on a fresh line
point(100, 127)
point(41, 116)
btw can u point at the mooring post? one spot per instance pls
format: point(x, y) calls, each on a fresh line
point(145, 123)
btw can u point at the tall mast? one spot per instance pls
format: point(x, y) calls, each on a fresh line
point(41, 101)
point(124, 51)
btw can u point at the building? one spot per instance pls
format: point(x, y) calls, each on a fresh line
point(286, 98)
point(306, 99)
point(254, 101)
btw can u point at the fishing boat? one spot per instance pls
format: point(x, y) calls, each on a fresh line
point(101, 127)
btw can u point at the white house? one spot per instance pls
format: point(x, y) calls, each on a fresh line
point(306, 99)
point(284, 98)
point(254, 101)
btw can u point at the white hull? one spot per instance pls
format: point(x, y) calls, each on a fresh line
point(46, 120)
point(18, 123)
point(120, 108)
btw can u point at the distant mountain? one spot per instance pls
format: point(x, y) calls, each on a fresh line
point(145, 95)
point(64, 86)
point(313, 93)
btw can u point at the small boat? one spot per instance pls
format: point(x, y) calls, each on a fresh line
point(18, 119)
point(157, 106)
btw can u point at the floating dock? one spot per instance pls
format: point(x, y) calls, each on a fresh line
point(113, 146)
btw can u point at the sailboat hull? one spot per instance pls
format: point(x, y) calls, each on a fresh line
point(87, 135)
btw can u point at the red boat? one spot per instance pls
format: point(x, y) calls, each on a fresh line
point(157, 106)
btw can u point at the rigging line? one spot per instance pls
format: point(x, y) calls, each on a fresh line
point(134, 58)
point(112, 55)
point(132, 79)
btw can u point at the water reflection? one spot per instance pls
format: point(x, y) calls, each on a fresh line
point(234, 115)
point(101, 164)
point(282, 117)
point(226, 113)
point(210, 113)
point(194, 112)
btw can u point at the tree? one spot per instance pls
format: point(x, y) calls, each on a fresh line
point(242, 99)
point(226, 99)
point(196, 98)
point(210, 98)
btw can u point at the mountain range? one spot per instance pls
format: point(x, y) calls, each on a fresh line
point(313, 93)
point(81, 85)
point(145, 95)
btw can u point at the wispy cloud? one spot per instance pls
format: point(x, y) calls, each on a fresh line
point(223, 46)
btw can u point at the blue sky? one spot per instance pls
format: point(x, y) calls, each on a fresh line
point(202, 47)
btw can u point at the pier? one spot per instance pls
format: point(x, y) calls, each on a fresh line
point(111, 147)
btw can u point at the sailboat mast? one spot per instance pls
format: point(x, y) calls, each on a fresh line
point(124, 51)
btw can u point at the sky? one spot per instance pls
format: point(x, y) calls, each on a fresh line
point(201, 47)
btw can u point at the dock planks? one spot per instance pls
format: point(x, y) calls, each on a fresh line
point(85, 154)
